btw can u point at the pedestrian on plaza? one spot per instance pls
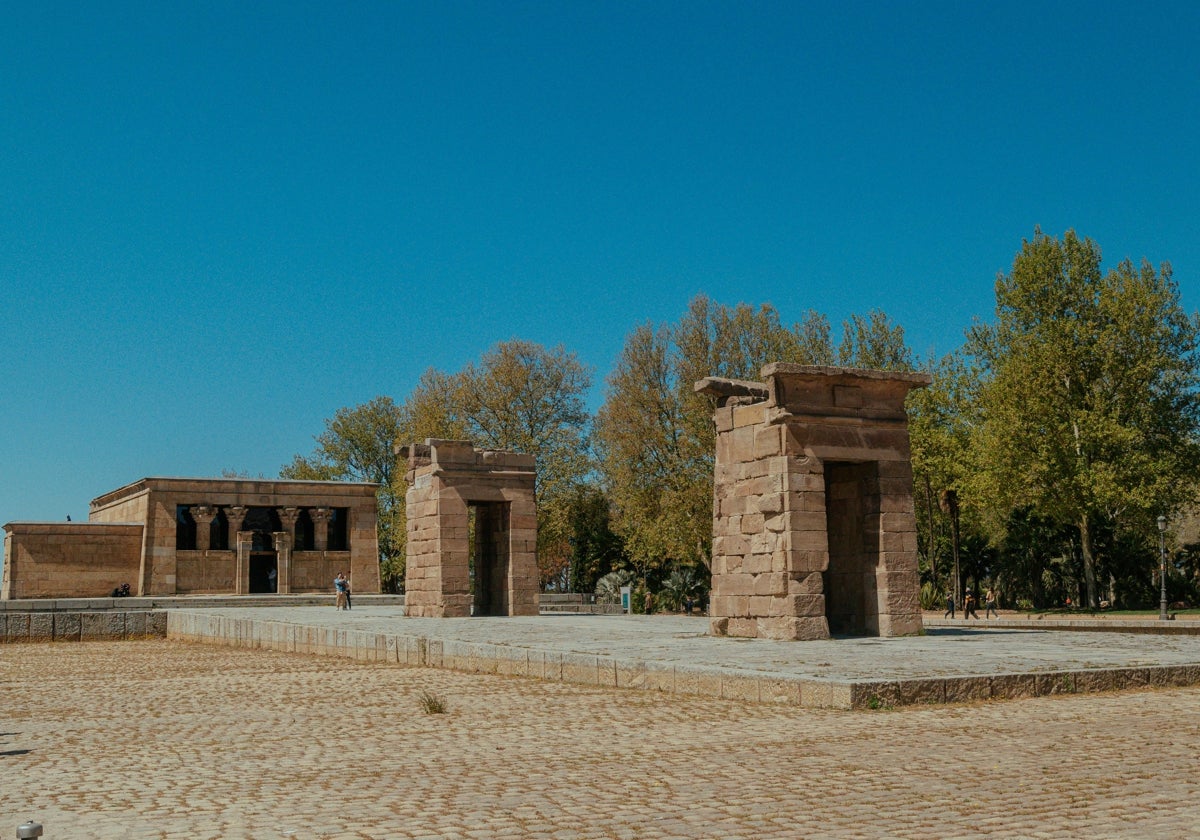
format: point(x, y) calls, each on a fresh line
point(342, 587)
point(949, 605)
point(989, 601)
point(969, 607)
point(648, 602)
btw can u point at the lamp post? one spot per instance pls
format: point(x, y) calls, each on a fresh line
point(1162, 569)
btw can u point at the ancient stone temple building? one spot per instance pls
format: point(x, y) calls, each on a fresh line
point(472, 531)
point(813, 525)
point(179, 536)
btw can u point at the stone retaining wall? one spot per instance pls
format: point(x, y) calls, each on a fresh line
point(82, 626)
point(610, 672)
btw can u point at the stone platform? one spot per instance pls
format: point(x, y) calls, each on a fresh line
point(674, 654)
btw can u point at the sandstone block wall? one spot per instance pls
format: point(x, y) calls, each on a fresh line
point(69, 559)
point(813, 525)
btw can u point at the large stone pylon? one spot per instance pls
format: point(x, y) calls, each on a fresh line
point(813, 524)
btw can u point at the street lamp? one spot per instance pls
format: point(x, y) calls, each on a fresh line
point(1162, 570)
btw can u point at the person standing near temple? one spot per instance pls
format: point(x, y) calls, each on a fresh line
point(342, 587)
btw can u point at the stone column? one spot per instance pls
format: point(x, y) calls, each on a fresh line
point(288, 516)
point(283, 559)
point(203, 515)
point(320, 518)
point(244, 542)
point(235, 515)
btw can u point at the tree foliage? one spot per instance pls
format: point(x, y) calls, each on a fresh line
point(1088, 403)
point(654, 435)
point(357, 446)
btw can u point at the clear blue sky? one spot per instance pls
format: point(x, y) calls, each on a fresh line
point(221, 221)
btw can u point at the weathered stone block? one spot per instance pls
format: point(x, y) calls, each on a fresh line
point(968, 689)
point(17, 627)
point(66, 626)
point(793, 628)
point(921, 692)
point(41, 627)
point(106, 625)
point(1012, 686)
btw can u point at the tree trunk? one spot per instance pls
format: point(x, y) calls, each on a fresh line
point(1089, 561)
point(930, 541)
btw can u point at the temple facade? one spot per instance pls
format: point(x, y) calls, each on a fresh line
point(182, 536)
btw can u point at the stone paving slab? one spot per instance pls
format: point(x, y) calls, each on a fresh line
point(674, 654)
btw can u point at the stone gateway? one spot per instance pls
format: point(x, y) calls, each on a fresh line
point(813, 524)
point(472, 531)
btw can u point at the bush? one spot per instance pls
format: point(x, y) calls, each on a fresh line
point(608, 588)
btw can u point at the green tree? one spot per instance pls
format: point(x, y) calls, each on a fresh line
point(940, 421)
point(357, 446)
point(654, 435)
point(1088, 403)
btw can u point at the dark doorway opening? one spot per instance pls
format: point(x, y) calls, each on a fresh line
point(263, 573)
point(487, 531)
point(852, 524)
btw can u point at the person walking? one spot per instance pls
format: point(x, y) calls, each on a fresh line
point(989, 601)
point(969, 607)
point(342, 587)
point(949, 605)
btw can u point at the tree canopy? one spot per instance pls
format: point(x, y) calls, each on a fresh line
point(1088, 399)
point(1042, 452)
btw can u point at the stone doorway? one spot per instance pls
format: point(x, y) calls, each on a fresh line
point(487, 528)
point(851, 508)
point(264, 573)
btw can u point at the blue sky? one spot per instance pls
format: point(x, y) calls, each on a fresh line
point(220, 222)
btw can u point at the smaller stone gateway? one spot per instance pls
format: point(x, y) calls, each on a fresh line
point(472, 531)
point(813, 524)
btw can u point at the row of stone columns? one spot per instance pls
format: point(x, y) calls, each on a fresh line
point(236, 515)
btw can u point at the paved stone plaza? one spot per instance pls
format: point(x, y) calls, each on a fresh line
point(160, 739)
point(674, 654)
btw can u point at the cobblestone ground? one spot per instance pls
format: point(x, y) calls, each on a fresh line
point(165, 740)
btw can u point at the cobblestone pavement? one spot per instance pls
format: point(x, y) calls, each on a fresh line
point(162, 739)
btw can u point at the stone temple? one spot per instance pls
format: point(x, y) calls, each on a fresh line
point(813, 524)
point(189, 536)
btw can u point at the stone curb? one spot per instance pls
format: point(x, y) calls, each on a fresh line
point(1154, 626)
point(609, 672)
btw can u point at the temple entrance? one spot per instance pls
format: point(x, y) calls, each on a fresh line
point(852, 522)
point(488, 569)
point(264, 575)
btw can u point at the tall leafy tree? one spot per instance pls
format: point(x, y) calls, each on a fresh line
point(654, 434)
point(1089, 407)
point(357, 446)
point(523, 397)
point(940, 421)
